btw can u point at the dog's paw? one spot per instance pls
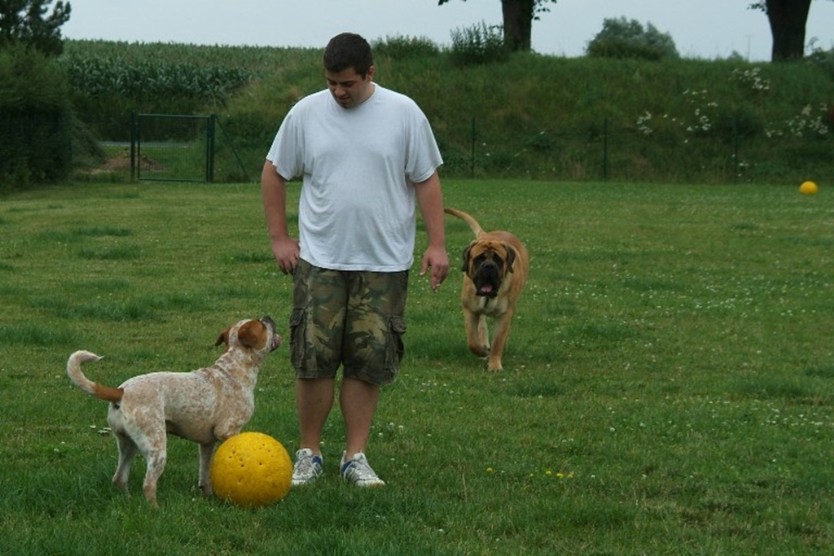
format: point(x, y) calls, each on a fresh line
point(479, 349)
point(494, 366)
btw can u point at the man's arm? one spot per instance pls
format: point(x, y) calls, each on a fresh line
point(274, 193)
point(430, 200)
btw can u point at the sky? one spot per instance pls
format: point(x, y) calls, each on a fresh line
point(705, 29)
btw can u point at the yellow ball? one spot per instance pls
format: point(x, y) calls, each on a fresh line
point(251, 469)
point(808, 188)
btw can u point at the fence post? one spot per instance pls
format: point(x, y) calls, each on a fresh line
point(210, 149)
point(605, 150)
point(133, 137)
point(736, 162)
point(472, 151)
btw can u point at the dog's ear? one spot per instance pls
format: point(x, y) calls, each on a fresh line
point(511, 254)
point(250, 334)
point(223, 338)
point(466, 251)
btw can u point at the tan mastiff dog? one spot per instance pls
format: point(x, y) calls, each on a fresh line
point(495, 267)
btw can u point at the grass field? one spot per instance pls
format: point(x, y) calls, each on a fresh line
point(668, 384)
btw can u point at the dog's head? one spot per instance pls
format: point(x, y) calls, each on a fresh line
point(487, 263)
point(257, 335)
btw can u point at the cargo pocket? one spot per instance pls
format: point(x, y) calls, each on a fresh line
point(298, 338)
point(396, 348)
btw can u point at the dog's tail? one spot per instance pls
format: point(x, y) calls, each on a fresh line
point(105, 393)
point(473, 224)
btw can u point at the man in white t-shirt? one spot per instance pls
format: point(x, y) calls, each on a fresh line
point(367, 157)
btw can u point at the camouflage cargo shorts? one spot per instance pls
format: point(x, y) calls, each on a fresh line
point(351, 318)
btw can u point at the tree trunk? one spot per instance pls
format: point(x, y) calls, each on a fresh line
point(518, 23)
point(787, 25)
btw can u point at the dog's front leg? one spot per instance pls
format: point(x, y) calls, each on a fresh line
point(477, 336)
point(502, 330)
point(206, 452)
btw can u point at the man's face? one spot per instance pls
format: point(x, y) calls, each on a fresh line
point(349, 88)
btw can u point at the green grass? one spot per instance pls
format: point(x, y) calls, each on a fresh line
point(668, 384)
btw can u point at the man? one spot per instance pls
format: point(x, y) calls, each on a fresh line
point(364, 153)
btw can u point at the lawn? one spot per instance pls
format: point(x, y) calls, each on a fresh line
point(668, 387)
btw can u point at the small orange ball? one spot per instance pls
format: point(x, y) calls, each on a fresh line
point(808, 188)
point(251, 469)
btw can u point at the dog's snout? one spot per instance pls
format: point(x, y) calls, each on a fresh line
point(491, 270)
point(276, 338)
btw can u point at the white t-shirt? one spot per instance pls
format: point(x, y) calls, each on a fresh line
point(359, 167)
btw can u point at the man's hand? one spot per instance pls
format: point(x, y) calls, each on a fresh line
point(286, 252)
point(436, 259)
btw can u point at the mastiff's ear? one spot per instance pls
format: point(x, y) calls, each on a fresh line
point(466, 251)
point(511, 255)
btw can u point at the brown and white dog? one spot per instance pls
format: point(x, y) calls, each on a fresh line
point(495, 266)
point(207, 405)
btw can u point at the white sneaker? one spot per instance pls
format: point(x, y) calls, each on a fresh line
point(308, 466)
point(357, 471)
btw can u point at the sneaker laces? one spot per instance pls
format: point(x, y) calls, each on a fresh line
point(307, 466)
point(357, 470)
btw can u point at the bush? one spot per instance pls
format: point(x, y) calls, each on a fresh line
point(36, 119)
point(823, 59)
point(621, 38)
point(478, 44)
point(400, 48)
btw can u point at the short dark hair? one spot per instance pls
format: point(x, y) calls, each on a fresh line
point(348, 50)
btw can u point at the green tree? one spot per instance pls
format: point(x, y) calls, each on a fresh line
point(35, 118)
point(621, 38)
point(35, 112)
point(787, 20)
point(30, 22)
point(518, 17)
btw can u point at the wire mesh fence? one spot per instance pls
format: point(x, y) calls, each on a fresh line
point(603, 151)
point(176, 147)
point(197, 148)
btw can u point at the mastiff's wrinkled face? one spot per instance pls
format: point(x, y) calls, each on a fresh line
point(487, 263)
